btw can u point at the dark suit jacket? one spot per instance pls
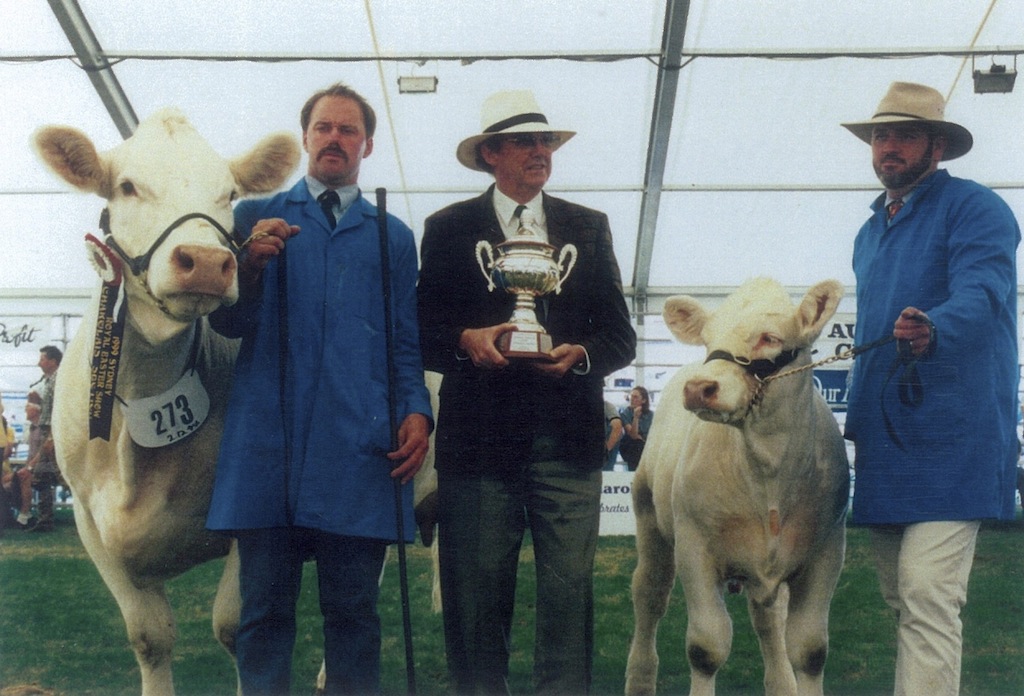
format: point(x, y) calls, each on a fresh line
point(498, 420)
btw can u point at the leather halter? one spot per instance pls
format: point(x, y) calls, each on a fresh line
point(140, 264)
point(760, 368)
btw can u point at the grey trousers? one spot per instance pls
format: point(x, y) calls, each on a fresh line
point(482, 521)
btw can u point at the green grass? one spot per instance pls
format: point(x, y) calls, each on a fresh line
point(60, 628)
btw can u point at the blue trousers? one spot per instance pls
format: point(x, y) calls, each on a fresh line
point(348, 573)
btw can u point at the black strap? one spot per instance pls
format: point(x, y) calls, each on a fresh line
point(909, 388)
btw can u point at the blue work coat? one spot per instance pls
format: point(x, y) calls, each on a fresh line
point(950, 252)
point(318, 460)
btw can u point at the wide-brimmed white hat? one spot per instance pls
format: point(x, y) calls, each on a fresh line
point(515, 111)
point(906, 102)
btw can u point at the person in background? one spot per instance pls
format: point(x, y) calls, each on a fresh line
point(636, 419)
point(520, 442)
point(306, 466)
point(43, 465)
point(21, 480)
point(933, 415)
point(9, 441)
point(612, 434)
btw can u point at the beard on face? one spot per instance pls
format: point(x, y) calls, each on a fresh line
point(898, 180)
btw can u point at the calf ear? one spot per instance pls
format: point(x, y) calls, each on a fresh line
point(685, 318)
point(72, 156)
point(818, 306)
point(268, 165)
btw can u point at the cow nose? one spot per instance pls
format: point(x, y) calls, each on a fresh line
point(699, 393)
point(202, 269)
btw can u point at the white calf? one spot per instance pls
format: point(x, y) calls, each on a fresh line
point(742, 481)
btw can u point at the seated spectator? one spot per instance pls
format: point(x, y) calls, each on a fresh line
point(636, 419)
point(612, 435)
point(24, 478)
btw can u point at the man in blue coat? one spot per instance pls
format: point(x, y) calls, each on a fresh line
point(306, 468)
point(933, 415)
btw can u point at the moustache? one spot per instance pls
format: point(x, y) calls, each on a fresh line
point(892, 158)
point(332, 149)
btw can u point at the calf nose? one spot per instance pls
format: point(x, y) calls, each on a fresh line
point(699, 393)
point(202, 269)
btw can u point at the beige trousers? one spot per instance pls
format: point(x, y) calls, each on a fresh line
point(923, 570)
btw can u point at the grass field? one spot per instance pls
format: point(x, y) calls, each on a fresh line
point(60, 628)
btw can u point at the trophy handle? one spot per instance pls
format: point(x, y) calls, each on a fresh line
point(484, 247)
point(568, 251)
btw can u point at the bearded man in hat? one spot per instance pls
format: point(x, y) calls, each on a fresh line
point(933, 416)
point(519, 442)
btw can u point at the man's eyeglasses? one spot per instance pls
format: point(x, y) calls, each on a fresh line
point(530, 140)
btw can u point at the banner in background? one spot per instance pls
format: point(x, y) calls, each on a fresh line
point(23, 336)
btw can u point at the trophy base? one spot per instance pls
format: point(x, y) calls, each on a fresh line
point(530, 345)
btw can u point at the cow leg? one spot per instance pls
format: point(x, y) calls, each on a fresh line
point(147, 613)
point(807, 629)
point(227, 607)
point(708, 626)
point(651, 586)
point(769, 618)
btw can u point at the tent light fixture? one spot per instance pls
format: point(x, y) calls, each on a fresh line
point(416, 84)
point(998, 79)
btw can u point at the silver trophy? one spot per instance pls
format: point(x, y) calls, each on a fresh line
point(525, 265)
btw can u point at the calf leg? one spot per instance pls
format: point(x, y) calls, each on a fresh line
point(708, 628)
point(769, 620)
point(651, 586)
point(807, 629)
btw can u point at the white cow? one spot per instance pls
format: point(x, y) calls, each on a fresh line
point(141, 510)
point(742, 481)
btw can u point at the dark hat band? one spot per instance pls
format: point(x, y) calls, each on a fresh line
point(515, 121)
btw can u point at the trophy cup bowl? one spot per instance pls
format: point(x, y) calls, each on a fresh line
point(526, 267)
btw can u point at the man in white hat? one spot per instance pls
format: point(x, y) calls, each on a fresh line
point(520, 443)
point(933, 416)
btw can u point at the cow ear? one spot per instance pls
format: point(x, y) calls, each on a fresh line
point(72, 156)
point(818, 306)
point(268, 165)
point(685, 318)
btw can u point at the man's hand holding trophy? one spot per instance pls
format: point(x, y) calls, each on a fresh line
point(525, 266)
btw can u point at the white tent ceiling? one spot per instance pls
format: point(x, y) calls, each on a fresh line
point(708, 130)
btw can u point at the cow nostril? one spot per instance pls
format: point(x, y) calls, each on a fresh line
point(183, 260)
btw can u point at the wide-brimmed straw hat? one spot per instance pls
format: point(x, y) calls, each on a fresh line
point(906, 102)
point(515, 111)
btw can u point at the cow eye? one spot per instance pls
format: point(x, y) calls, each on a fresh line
point(770, 341)
point(234, 196)
point(127, 188)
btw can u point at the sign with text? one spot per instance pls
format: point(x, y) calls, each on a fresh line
point(23, 334)
point(617, 504)
point(832, 380)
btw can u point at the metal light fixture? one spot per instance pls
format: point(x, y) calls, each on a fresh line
point(998, 79)
point(414, 84)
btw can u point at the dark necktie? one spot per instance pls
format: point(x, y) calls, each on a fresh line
point(327, 200)
point(894, 207)
point(517, 216)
